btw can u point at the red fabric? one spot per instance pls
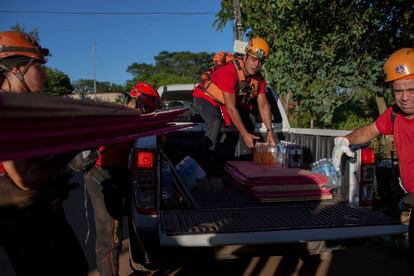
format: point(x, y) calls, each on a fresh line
point(273, 183)
point(260, 172)
point(2, 169)
point(403, 139)
point(267, 196)
point(309, 182)
point(226, 79)
point(51, 135)
point(114, 156)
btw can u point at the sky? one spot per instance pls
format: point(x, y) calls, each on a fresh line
point(119, 40)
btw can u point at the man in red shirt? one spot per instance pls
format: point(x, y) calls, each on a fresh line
point(397, 120)
point(108, 185)
point(240, 99)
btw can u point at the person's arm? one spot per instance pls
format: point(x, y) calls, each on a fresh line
point(363, 134)
point(266, 115)
point(358, 136)
point(35, 173)
point(230, 102)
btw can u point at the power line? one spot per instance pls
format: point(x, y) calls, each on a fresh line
point(109, 13)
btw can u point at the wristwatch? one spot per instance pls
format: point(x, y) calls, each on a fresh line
point(269, 130)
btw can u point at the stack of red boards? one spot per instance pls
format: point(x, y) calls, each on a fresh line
point(274, 183)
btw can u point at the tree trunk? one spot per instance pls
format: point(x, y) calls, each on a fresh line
point(285, 102)
point(387, 148)
point(381, 104)
point(406, 20)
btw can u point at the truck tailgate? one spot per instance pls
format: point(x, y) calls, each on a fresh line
point(284, 223)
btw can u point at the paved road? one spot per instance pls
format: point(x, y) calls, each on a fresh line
point(360, 260)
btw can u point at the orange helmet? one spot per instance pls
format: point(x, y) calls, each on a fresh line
point(399, 65)
point(258, 48)
point(146, 95)
point(19, 44)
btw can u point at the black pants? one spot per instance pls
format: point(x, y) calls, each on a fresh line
point(108, 189)
point(411, 239)
point(212, 116)
point(35, 233)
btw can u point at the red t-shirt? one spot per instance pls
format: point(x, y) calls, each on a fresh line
point(227, 80)
point(114, 156)
point(404, 143)
point(2, 169)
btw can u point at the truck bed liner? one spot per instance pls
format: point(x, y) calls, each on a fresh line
point(270, 218)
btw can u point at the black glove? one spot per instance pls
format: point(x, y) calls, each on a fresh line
point(83, 161)
point(408, 199)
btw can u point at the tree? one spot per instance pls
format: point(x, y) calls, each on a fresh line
point(170, 67)
point(83, 86)
point(57, 83)
point(327, 53)
point(21, 29)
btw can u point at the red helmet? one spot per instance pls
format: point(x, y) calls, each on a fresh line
point(146, 94)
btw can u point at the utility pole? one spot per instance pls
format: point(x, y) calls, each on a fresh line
point(238, 29)
point(94, 69)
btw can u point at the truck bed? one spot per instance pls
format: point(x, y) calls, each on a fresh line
point(226, 215)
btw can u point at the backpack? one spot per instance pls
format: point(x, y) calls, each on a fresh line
point(247, 90)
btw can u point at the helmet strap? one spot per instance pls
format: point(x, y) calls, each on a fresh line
point(20, 76)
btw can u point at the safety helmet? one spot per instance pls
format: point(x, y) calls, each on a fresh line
point(399, 65)
point(258, 48)
point(19, 44)
point(147, 95)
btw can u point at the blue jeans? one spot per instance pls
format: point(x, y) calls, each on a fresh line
point(108, 189)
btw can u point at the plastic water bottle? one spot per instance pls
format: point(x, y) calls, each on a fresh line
point(326, 167)
point(166, 182)
point(281, 152)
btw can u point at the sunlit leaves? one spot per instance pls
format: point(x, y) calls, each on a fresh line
point(322, 47)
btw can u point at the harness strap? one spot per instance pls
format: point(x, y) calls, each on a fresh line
point(211, 89)
point(20, 76)
point(393, 115)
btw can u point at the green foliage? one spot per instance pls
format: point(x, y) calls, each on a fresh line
point(83, 86)
point(326, 53)
point(21, 29)
point(170, 67)
point(57, 83)
point(353, 121)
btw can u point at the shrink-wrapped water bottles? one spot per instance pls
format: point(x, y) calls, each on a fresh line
point(289, 154)
point(189, 171)
point(325, 166)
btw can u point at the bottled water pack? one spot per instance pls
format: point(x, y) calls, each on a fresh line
point(289, 154)
point(189, 171)
point(325, 166)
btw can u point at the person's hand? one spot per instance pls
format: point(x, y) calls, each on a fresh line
point(408, 199)
point(271, 138)
point(341, 147)
point(249, 140)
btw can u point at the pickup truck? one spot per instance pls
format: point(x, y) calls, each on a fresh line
point(216, 216)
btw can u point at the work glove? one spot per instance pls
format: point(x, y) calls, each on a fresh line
point(341, 147)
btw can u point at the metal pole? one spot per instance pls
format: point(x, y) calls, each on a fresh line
point(94, 69)
point(238, 29)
